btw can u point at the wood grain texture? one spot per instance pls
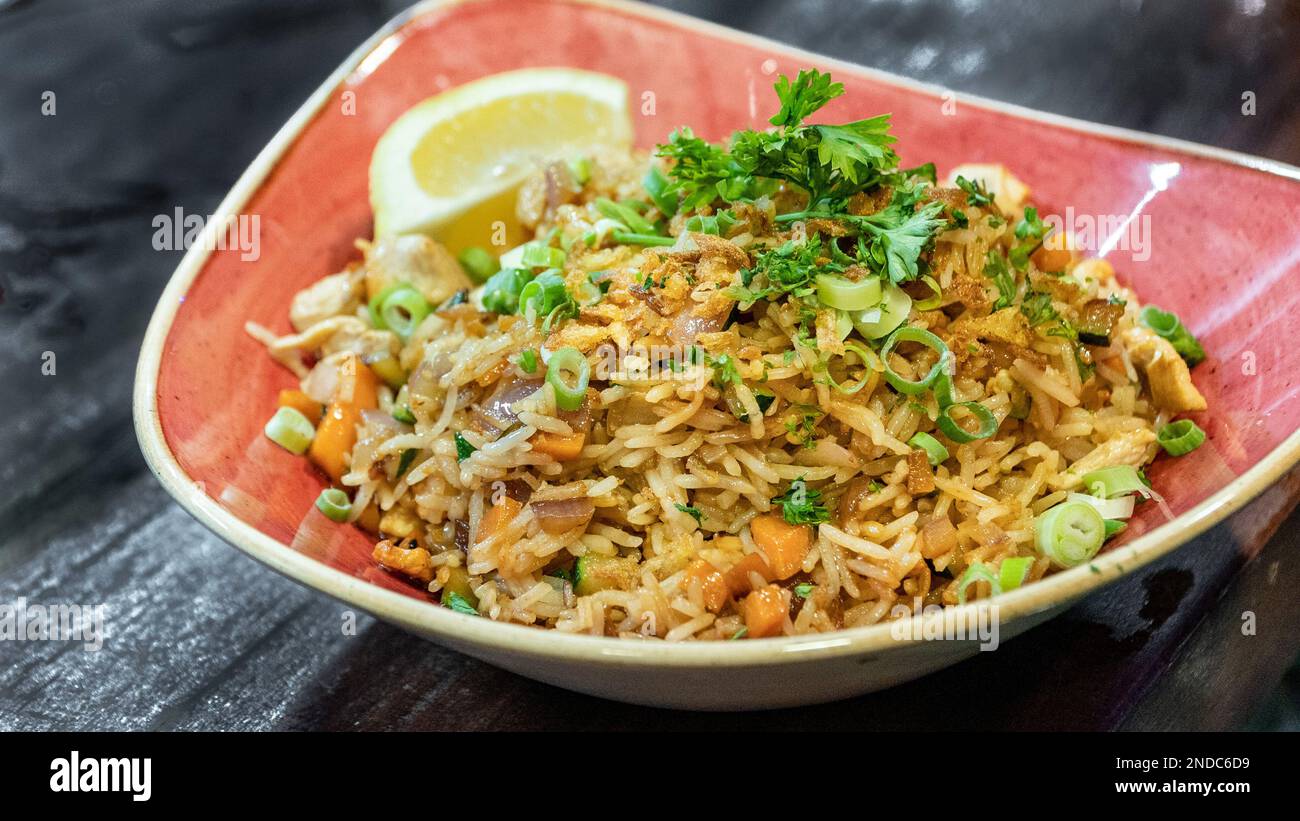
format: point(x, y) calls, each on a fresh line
point(162, 105)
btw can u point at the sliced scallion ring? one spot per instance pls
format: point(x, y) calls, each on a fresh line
point(1115, 527)
point(568, 396)
point(911, 334)
point(543, 294)
point(955, 432)
point(977, 572)
point(1070, 533)
point(934, 449)
point(869, 359)
point(881, 320)
point(289, 429)
point(403, 310)
point(334, 504)
point(1178, 438)
point(536, 255)
point(936, 298)
point(1013, 572)
point(1121, 507)
point(836, 291)
point(1107, 483)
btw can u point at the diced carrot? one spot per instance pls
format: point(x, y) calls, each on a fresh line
point(784, 545)
point(713, 586)
point(302, 403)
point(498, 516)
point(558, 446)
point(765, 611)
point(1055, 253)
point(737, 576)
point(358, 388)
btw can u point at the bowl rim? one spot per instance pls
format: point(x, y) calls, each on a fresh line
point(432, 620)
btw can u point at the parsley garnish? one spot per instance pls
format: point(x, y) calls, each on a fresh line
point(724, 371)
point(459, 603)
point(830, 162)
point(463, 447)
point(995, 268)
point(692, 511)
point(976, 193)
point(800, 505)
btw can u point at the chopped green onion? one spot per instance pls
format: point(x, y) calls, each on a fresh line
point(580, 169)
point(879, 321)
point(375, 306)
point(568, 396)
point(405, 460)
point(911, 334)
point(1169, 326)
point(619, 212)
point(840, 292)
point(544, 294)
point(335, 504)
point(1115, 526)
point(403, 310)
point(804, 590)
point(955, 432)
point(537, 255)
point(479, 264)
point(459, 603)
point(629, 238)
point(656, 185)
point(1107, 483)
point(1069, 533)
point(1013, 572)
point(290, 430)
point(869, 359)
point(501, 291)
point(1181, 437)
point(528, 360)
point(402, 406)
point(935, 300)
point(977, 572)
point(463, 447)
point(933, 448)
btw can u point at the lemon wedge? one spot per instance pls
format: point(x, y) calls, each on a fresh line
point(451, 165)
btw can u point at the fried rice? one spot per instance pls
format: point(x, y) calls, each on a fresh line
point(738, 465)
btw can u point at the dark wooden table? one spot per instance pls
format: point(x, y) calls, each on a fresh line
point(161, 105)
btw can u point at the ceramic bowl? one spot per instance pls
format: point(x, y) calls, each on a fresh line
point(204, 388)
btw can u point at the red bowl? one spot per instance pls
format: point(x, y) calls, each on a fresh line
point(204, 388)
